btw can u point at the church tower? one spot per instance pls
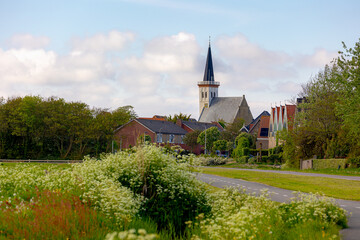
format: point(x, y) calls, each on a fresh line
point(208, 88)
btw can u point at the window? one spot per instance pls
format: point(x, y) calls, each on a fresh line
point(182, 138)
point(171, 138)
point(159, 137)
point(202, 94)
point(205, 94)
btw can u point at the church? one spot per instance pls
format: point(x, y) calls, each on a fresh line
point(213, 108)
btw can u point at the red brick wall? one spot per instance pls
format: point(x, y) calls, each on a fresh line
point(129, 134)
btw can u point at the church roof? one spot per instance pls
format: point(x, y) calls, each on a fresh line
point(201, 125)
point(209, 70)
point(224, 108)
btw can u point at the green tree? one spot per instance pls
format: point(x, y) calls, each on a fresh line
point(220, 145)
point(178, 116)
point(211, 135)
point(190, 139)
point(318, 126)
point(348, 82)
point(232, 130)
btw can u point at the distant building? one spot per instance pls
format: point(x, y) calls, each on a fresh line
point(281, 117)
point(213, 108)
point(160, 131)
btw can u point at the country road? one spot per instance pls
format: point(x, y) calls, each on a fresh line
point(283, 195)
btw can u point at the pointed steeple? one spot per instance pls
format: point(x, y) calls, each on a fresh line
point(209, 70)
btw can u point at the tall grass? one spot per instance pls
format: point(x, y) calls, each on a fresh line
point(52, 215)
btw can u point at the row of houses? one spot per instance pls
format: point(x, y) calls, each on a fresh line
point(160, 131)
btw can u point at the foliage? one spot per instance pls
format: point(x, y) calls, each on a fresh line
point(243, 143)
point(232, 130)
point(209, 161)
point(328, 163)
point(354, 162)
point(172, 193)
point(348, 82)
point(131, 234)
point(178, 116)
point(237, 215)
point(52, 215)
point(327, 125)
point(190, 139)
point(211, 135)
point(37, 128)
point(110, 194)
point(221, 145)
point(242, 159)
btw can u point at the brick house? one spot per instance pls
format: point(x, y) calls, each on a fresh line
point(160, 131)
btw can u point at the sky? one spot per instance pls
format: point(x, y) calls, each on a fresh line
point(150, 54)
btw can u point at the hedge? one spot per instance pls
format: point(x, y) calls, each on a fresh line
point(328, 163)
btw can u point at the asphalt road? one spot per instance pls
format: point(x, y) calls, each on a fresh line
point(283, 195)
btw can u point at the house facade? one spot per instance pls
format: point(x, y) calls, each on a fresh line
point(281, 117)
point(160, 132)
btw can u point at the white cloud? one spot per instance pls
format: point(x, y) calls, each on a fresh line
point(28, 41)
point(102, 71)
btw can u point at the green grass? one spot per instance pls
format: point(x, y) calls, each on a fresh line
point(58, 166)
point(343, 172)
point(337, 188)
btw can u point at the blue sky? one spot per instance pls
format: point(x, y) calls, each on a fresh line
point(150, 53)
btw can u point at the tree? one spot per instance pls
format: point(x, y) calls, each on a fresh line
point(178, 116)
point(243, 142)
point(190, 139)
point(232, 130)
point(318, 124)
point(220, 145)
point(348, 83)
point(211, 135)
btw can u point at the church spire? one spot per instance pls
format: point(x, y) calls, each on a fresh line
point(209, 70)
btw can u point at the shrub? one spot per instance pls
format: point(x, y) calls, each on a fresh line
point(328, 163)
point(237, 215)
point(209, 161)
point(242, 159)
point(354, 162)
point(172, 193)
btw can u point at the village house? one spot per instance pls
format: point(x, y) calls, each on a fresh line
point(159, 131)
point(281, 117)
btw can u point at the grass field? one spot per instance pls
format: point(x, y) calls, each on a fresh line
point(337, 188)
point(344, 172)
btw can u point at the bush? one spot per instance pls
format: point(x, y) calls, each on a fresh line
point(274, 158)
point(354, 162)
point(264, 152)
point(172, 193)
point(328, 163)
point(242, 159)
point(237, 215)
point(209, 161)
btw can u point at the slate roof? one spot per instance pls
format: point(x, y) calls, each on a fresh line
point(161, 126)
point(200, 125)
point(224, 108)
point(209, 69)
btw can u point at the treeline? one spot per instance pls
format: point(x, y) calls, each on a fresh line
point(33, 127)
point(328, 123)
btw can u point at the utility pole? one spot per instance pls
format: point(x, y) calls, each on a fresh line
point(205, 141)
